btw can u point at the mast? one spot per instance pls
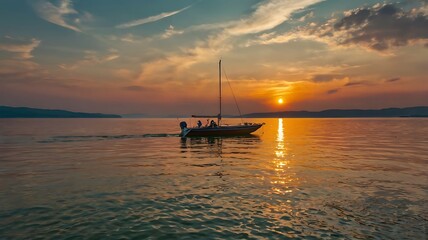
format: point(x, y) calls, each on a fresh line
point(219, 87)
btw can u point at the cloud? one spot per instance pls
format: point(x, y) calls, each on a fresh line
point(306, 16)
point(383, 27)
point(211, 26)
point(21, 49)
point(326, 77)
point(350, 84)
point(393, 79)
point(267, 15)
point(57, 14)
point(17, 69)
point(128, 38)
point(91, 58)
point(150, 19)
point(377, 28)
point(85, 17)
point(134, 88)
point(170, 31)
point(333, 91)
point(17, 66)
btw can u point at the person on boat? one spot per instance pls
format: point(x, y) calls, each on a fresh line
point(213, 124)
point(208, 123)
point(199, 124)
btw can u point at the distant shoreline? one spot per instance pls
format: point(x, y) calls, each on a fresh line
point(420, 111)
point(408, 112)
point(25, 112)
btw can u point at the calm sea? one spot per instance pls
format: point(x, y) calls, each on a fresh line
point(135, 179)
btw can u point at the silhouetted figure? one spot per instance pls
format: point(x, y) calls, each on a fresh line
point(199, 124)
point(213, 124)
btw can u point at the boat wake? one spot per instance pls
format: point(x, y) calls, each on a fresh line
point(104, 137)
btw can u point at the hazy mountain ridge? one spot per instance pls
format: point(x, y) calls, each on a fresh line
point(420, 111)
point(25, 112)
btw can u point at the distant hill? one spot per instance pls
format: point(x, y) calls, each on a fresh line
point(24, 112)
point(352, 113)
point(134, 115)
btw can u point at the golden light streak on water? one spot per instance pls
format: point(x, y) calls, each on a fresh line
point(280, 140)
point(283, 176)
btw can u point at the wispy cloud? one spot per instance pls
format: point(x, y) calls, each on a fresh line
point(150, 19)
point(135, 88)
point(22, 49)
point(333, 91)
point(18, 64)
point(267, 15)
point(393, 79)
point(326, 77)
point(128, 38)
point(211, 26)
point(356, 83)
point(169, 32)
point(91, 58)
point(56, 14)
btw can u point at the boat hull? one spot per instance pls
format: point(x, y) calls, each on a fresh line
point(220, 131)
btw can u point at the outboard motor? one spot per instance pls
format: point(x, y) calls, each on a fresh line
point(183, 125)
point(184, 129)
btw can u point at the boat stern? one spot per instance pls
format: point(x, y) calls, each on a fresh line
point(184, 129)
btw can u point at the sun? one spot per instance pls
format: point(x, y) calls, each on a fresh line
point(280, 101)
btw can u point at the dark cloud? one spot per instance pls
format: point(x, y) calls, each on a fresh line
point(134, 88)
point(350, 84)
point(356, 18)
point(393, 79)
point(325, 77)
point(382, 27)
point(333, 91)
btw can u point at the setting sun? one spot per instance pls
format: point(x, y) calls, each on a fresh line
point(280, 101)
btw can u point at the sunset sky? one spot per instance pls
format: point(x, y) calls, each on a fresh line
point(161, 57)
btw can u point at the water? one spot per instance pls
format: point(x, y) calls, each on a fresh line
point(135, 178)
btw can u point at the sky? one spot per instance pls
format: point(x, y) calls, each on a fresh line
point(161, 57)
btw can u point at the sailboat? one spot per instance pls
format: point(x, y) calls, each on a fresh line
point(217, 129)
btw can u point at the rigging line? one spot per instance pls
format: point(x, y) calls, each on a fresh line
point(233, 94)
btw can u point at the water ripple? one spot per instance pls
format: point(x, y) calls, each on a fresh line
point(300, 179)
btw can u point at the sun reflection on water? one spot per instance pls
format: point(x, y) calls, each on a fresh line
point(283, 178)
